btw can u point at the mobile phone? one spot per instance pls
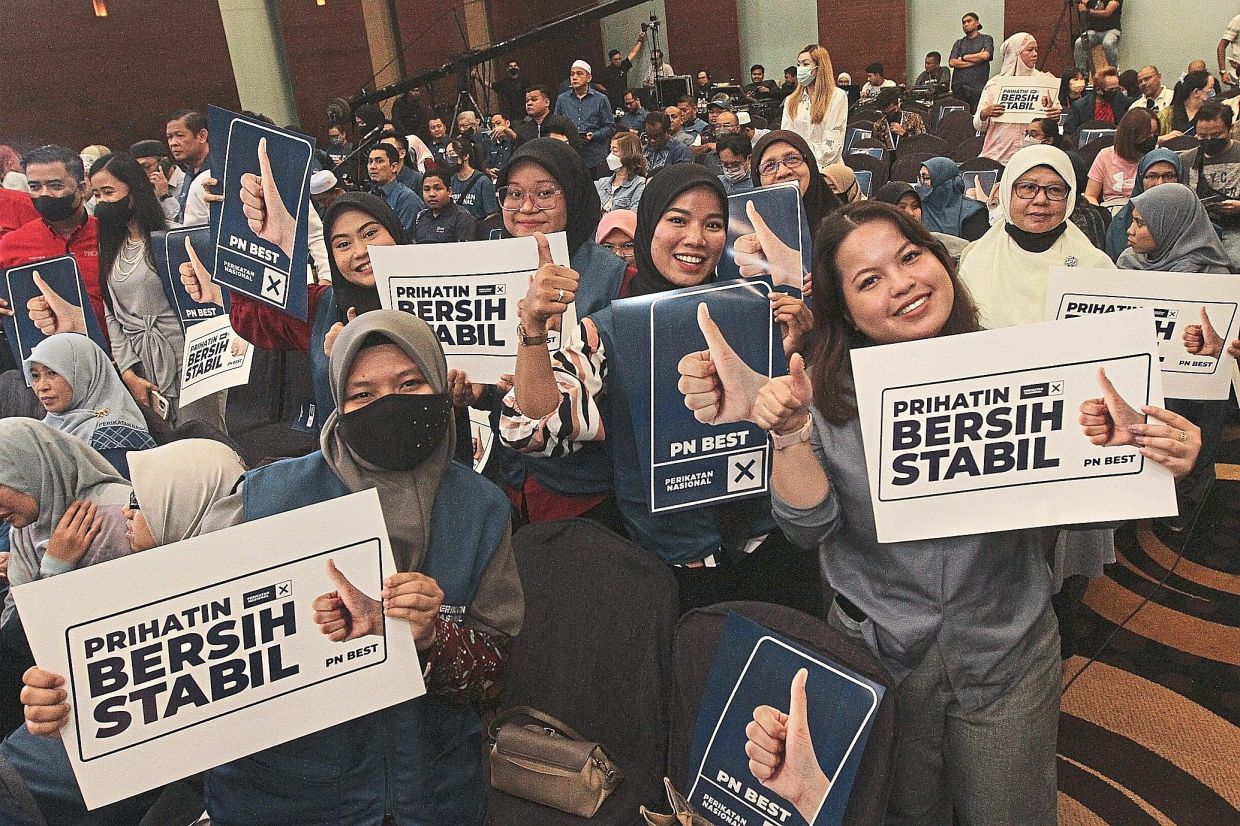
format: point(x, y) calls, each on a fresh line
point(160, 404)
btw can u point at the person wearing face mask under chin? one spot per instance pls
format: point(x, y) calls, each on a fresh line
point(456, 584)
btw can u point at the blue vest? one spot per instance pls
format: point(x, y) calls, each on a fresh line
point(677, 537)
point(421, 760)
point(325, 315)
point(588, 471)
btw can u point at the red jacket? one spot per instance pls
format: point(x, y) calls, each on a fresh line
point(16, 209)
point(37, 241)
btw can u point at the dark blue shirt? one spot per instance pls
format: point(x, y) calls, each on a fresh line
point(674, 152)
point(403, 201)
point(476, 195)
point(590, 114)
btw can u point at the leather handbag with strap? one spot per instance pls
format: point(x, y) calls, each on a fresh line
point(546, 762)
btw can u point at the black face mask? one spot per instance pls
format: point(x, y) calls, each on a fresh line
point(1148, 145)
point(1211, 146)
point(894, 117)
point(398, 431)
point(113, 213)
point(55, 209)
point(514, 72)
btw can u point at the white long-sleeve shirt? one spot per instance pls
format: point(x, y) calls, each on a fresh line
point(826, 138)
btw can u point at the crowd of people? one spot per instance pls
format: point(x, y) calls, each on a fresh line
point(970, 628)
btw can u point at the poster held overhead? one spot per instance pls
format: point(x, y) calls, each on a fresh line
point(258, 233)
point(58, 283)
point(215, 359)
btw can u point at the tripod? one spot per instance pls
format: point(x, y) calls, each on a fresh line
point(1069, 14)
point(656, 69)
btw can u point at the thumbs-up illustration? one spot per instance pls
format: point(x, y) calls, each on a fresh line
point(346, 613)
point(1106, 421)
point(51, 313)
point(197, 279)
point(263, 207)
point(781, 752)
point(718, 386)
point(761, 251)
point(1202, 339)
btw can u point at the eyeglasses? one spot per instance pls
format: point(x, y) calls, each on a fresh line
point(732, 167)
point(789, 162)
point(1028, 190)
point(512, 199)
point(1161, 177)
point(133, 501)
point(619, 248)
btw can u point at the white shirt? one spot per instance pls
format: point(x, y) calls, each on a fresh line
point(1162, 100)
point(868, 91)
point(1232, 36)
point(825, 139)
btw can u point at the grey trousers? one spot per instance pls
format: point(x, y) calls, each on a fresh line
point(995, 766)
point(209, 410)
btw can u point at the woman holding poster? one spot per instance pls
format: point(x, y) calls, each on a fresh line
point(1019, 54)
point(576, 399)
point(963, 624)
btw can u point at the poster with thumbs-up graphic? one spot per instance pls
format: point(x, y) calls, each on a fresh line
point(47, 297)
point(191, 292)
point(780, 733)
point(258, 232)
point(768, 234)
point(692, 362)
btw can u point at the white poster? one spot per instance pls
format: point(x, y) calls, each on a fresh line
point(468, 293)
point(1195, 316)
point(977, 433)
point(1026, 98)
point(215, 359)
point(184, 657)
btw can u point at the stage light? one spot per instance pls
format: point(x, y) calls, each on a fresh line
point(101, 8)
point(320, 2)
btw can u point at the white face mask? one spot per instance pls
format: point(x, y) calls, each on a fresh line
point(996, 215)
point(1029, 140)
point(614, 162)
point(805, 74)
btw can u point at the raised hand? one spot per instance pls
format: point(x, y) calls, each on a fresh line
point(346, 613)
point(333, 333)
point(783, 403)
point(1110, 421)
point(52, 314)
point(1174, 442)
point(781, 753)
point(761, 251)
point(717, 384)
point(794, 319)
point(43, 700)
point(463, 392)
point(416, 598)
point(198, 280)
point(74, 533)
point(552, 289)
point(1202, 339)
point(263, 207)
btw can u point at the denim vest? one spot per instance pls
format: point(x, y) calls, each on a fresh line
point(325, 315)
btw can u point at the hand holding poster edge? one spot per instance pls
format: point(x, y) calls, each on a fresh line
point(552, 289)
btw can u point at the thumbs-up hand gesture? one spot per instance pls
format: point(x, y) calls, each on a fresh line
point(781, 753)
point(783, 403)
point(1109, 421)
point(197, 279)
point(1202, 339)
point(552, 289)
point(346, 613)
point(718, 386)
point(263, 207)
point(329, 340)
point(761, 251)
point(51, 313)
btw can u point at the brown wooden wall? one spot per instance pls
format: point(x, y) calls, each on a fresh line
point(858, 34)
point(705, 34)
point(1038, 17)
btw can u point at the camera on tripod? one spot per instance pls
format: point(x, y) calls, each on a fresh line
point(653, 24)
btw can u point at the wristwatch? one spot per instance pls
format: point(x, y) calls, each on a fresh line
point(795, 438)
point(530, 341)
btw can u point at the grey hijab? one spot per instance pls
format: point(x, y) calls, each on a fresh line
point(1184, 237)
point(407, 497)
point(53, 467)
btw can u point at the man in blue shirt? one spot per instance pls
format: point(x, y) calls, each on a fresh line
point(689, 120)
point(661, 150)
point(634, 117)
point(382, 164)
point(590, 112)
point(498, 148)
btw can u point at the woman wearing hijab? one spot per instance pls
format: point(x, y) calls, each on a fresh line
point(1158, 166)
point(456, 583)
point(782, 155)
point(1171, 232)
point(1006, 269)
point(945, 208)
point(62, 502)
point(615, 234)
point(904, 196)
point(575, 399)
point(843, 182)
point(962, 624)
point(1019, 54)
point(173, 488)
point(84, 397)
point(146, 336)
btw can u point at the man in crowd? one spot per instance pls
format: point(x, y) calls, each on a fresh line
point(790, 82)
point(1106, 102)
point(382, 165)
point(468, 124)
point(970, 59)
point(1101, 27)
point(537, 108)
point(724, 123)
point(406, 172)
point(511, 89)
point(752, 126)
point(187, 140)
point(936, 75)
point(410, 114)
point(689, 120)
point(734, 151)
point(614, 77)
point(678, 133)
point(895, 123)
point(1217, 171)
point(875, 79)
point(658, 68)
point(1229, 66)
point(325, 188)
point(439, 138)
point(661, 150)
point(338, 144)
point(590, 112)
point(57, 182)
point(1154, 96)
point(702, 87)
point(634, 117)
point(166, 178)
point(759, 88)
point(499, 147)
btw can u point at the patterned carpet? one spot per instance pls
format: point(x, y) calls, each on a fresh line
point(1148, 733)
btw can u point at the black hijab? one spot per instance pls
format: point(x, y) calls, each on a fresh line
point(892, 191)
point(562, 162)
point(661, 189)
point(819, 200)
point(347, 293)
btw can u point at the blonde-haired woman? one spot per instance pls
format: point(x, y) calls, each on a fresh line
point(623, 190)
point(817, 110)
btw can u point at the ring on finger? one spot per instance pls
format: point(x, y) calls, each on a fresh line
point(559, 295)
point(1183, 436)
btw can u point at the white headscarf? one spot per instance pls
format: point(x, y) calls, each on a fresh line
point(1009, 54)
point(178, 483)
point(1008, 283)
